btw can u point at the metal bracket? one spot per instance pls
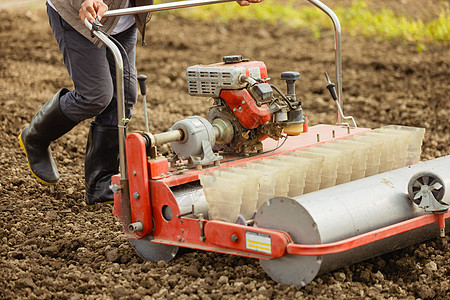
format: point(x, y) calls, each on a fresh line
point(201, 222)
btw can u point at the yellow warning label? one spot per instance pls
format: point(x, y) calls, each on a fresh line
point(258, 242)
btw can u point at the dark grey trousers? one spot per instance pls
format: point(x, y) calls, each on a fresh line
point(92, 70)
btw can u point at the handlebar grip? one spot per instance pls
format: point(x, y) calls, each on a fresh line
point(142, 86)
point(331, 88)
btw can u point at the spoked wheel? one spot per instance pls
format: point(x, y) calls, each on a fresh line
point(153, 252)
point(422, 183)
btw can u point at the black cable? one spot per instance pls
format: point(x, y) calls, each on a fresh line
point(283, 96)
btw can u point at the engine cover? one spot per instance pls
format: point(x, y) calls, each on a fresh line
point(209, 80)
point(245, 109)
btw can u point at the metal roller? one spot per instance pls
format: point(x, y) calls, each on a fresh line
point(345, 211)
point(191, 200)
point(191, 195)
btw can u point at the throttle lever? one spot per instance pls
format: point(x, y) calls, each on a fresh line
point(331, 87)
point(141, 79)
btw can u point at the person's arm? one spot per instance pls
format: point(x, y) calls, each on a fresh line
point(247, 2)
point(91, 9)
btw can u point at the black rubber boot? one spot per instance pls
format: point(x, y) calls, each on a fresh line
point(47, 125)
point(101, 162)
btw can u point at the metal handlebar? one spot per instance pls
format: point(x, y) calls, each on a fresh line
point(337, 50)
point(193, 3)
point(160, 7)
point(120, 94)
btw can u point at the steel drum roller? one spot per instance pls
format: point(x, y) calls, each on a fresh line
point(344, 211)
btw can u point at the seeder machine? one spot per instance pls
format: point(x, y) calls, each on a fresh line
point(253, 179)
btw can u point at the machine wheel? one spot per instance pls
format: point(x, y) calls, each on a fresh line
point(153, 252)
point(431, 180)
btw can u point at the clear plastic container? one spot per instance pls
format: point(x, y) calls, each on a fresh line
point(359, 157)
point(387, 156)
point(250, 200)
point(282, 170)
point(373, 155)
point(298, 173)
point(417, 134)
point(401, 145)
point(314, 171)
point(413, 157)
point(250, 182)
point(345, 166)
point(267, 182)
point(415, 143)
point(330, 164)
point(223, 195)
point(222, 211)
point(327, 182)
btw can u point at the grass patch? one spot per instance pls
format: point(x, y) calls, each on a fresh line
point(357, 19)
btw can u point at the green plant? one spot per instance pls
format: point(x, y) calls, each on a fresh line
point(358, 19)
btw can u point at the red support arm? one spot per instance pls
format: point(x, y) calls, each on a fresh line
point(366, 238)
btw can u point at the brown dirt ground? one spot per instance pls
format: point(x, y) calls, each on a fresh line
point(53, 246)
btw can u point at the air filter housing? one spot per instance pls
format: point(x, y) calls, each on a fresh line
point(209, 80)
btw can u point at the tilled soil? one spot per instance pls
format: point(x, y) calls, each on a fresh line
point(53, 246)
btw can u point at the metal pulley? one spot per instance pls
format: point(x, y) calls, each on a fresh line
point(197, 142)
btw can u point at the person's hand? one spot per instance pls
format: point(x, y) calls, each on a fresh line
point(247, 2)
point(91, 9)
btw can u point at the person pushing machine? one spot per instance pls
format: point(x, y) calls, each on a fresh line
point(92, 70)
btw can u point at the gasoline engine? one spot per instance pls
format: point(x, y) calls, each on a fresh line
point(246, 110)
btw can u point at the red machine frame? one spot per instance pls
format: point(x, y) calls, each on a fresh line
point(150, 195)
